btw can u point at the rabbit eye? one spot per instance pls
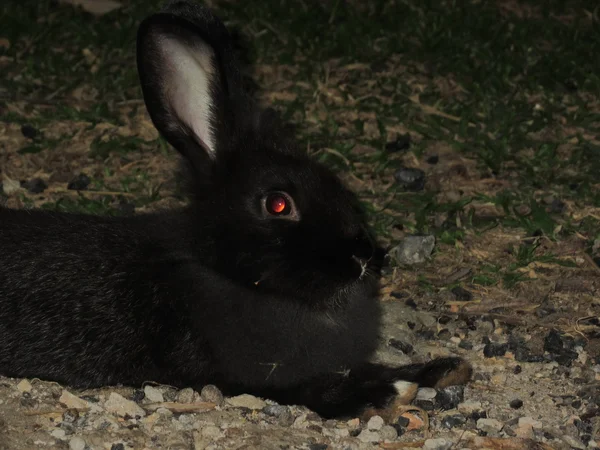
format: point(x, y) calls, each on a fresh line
point(280, 205)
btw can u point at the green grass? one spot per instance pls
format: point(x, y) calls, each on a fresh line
point(526, 90)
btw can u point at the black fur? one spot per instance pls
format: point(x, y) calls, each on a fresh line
point(218, 292)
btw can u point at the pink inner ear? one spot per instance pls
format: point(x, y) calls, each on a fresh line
point(188, 87)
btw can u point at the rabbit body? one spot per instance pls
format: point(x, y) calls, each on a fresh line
point(266, 283)
point(92, 301)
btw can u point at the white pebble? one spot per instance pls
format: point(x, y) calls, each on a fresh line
point(76, 443)
point(24, 386)
point(153, 394)
point(375, 423)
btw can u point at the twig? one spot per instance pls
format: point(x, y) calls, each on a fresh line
point(177, 407)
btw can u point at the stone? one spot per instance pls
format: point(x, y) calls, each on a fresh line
point(402, 142)
point(489, 425)
point(493, 349)
point(29, 131)
point(76, 443)
point(530, 421)
point(246, 401)
point(524, 431)
point(437, 444)
point(410, 179)
point(281, 412)
point(79, 183)
point(35, 185)
point(353, 424)
point(574, 443)
point(9, 186)
point(72, 401)
point(58, 433)
point(462, 294)
point(120, 406)
point(425, 398)
point(211, 393)
point(450, 397)
point(211, 431)
point(413, 250)
point(153, 395)
point(516, 403)
point(388, 433)
point(454, 420)
point(369, 436)
point(185, 395)
point(24, 386)
point(375, 423)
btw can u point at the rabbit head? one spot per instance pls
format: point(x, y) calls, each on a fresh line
point(266, 215)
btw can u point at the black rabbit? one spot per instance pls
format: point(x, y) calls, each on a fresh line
point(267, 283)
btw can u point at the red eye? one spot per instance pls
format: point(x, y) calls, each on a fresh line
point(278, 205)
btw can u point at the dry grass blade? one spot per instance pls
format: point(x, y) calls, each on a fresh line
point(96, 7)
point(177, 407)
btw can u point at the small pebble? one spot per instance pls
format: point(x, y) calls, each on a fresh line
point(437, 444)
point(246, 401)
point(185, 395)
point(404, 347)
point(489, 425)
point(388, 433)
point(516, 403)
point(462, 294)
point(353, 424)
point(425, 399)
point(79, 183)
point(375, 423)
point(413, 250)
point(281, 412)
point(211, 393)
point(29, 131)
point(530, 421)
point(24, 386)
point(450, 397)
point(9, 186)
point(469, 407)
point(493, 349)
point(70, 415)
point(574, 443)
point(119, 405)
point(153, 395)
point(517, 370)
point(76, 443)
point(455, 420)
point(35, 185)
point(402, 142)
point(410, 179)
point(58, 433)
point(72, 401)
point(211, 431)
point(403, 421)
point(466, 345)
point(318, 446)
point(369, 436)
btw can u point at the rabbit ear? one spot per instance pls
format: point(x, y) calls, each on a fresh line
point(186, 71)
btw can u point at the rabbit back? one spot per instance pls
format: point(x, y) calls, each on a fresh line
point(90, 301)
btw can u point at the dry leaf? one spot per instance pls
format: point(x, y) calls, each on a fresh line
point(96, 7)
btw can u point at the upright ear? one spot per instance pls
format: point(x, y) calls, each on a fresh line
point(189, 79)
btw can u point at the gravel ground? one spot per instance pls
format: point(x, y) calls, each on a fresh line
point(550, 402)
